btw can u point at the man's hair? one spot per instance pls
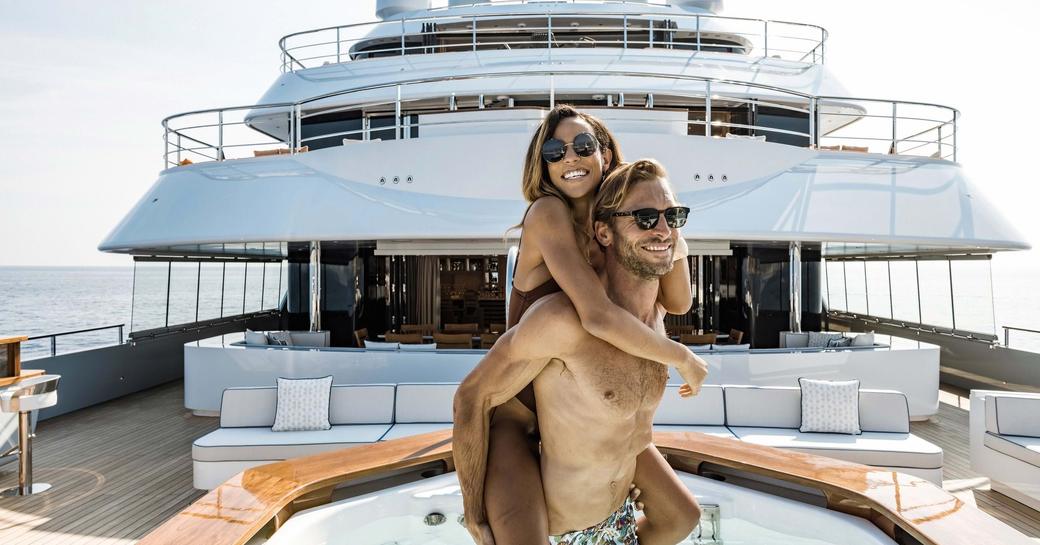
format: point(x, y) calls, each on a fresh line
point(619, 182)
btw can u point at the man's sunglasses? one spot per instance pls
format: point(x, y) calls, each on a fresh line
point(647, 218)
point(585, 144)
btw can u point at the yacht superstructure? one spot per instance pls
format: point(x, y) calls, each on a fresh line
point(375, 184)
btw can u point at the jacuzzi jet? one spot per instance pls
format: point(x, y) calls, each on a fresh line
point(434, 519)
point(462, 520)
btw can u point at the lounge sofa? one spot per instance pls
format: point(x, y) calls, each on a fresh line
point(1004, 437)
point(359, 414)
point(771, 416)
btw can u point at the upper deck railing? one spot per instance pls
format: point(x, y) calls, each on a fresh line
point(551, 29)
point(691, 105)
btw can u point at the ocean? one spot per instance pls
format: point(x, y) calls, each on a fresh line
point(46, 300)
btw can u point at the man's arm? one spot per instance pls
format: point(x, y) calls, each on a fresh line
point(546, 331)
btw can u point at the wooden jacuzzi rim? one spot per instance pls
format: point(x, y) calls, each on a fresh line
point(237, 510)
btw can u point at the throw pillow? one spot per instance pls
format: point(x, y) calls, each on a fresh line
point(865, 339)
point(255, 338)
point(281, 338)
point(819, 339)
point(839, 342)
point(830, 406)
point(796, 340)
point(303, 404)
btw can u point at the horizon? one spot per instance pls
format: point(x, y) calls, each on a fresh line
point(110, 82)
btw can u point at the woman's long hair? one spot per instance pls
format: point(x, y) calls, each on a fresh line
point(536, 184)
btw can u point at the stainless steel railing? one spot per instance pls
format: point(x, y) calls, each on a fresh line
point(552, 29)
point(1007, 333)
point(53, 337)
point(834, 123)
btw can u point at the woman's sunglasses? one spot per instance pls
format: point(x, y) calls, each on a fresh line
point(647, 218)
point(585, 144)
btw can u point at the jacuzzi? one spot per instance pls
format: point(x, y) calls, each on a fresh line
point(430, 512)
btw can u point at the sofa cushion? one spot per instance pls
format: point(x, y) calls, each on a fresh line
point(869, 448)
point(404, 430)
point(704, 409)
point(730, 347)
point(282, 338)
point(303, 404)
point(794, 340)
point(829, 406)
point(763, 406)
point(348, 404)
point(424, 403)
point(1026, 449)
point(376, 345)
point(884, 410)
point(418, 347)
point(863, 339)
point(318, 339)
point(1014, 415)
point(228, 444)
point(714, 431)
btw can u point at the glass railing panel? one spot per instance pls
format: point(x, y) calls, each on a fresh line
point(904, 291)
point(149, 295)
point(211, 286)
point(936, 304)
point(234, 285)
point(856, 287)
point(184, 280)
point(972, 295)
point(835, 285)
point(254, 289)
point(878, 291)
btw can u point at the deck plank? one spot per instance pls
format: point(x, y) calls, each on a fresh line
point(122, 468)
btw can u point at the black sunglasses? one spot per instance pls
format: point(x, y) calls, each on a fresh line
point(585, 144)
point(647, 218)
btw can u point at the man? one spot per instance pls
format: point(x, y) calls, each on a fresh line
point(595, 402)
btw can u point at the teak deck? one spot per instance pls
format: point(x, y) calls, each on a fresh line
point(121, 469)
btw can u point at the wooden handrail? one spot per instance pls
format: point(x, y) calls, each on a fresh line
point(240, 508)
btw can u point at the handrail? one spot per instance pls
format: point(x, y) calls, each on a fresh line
point(1008, 329)
point(54, 336)
point(333, 47)
point(266, 496)
point(712, 90)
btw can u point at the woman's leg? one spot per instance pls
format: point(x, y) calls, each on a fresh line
point(513, 487)
point(671, 511)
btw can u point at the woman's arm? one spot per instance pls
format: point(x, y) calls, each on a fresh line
point(676, 295)
point(548, 228)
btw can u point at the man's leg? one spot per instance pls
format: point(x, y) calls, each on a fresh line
point(671, 510)
point(513, 493)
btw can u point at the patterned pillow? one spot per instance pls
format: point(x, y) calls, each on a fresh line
point(839, 342)
point(282, 338)
point(819, 339)
point(303, 404)
point(830, 406)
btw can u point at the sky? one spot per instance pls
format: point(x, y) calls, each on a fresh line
point(85, 85)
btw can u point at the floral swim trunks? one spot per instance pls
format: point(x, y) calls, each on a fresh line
point(618, 529)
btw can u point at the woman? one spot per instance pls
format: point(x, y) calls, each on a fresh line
point(567, 159)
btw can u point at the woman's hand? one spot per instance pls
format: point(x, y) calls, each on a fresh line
point(693, 370)
point(633, 494)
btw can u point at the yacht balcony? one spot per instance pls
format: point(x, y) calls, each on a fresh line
point(515, 101)
point(489, 27)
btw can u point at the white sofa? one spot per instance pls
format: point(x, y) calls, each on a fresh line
point(311, 339)
point(771, 416)
point(359, 414)
point(766, 415)
point(1004, 437)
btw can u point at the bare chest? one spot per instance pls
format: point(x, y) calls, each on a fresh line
point(603, 381)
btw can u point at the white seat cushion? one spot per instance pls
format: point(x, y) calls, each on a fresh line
point(1013, 415)
point(376, 345)
point(348, 404)
point(404, 430)
point(228, 444)
point(704, 409)
point(425, 403)
point(1022, 448)
point(869, 448)
point(765, 406)
point(418, 347)
point(714, 431)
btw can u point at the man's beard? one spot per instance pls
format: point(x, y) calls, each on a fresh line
point(628, 253)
